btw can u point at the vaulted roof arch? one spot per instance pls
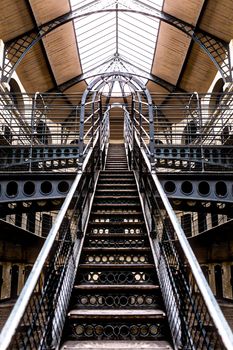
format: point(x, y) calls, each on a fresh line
point(164, 60)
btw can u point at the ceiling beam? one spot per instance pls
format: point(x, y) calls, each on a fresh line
point(214, 47)
point(91, 74)
point(29, 7)
point(189, 51)
point(161, 15)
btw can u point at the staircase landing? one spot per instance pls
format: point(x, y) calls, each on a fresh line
point(117, 345)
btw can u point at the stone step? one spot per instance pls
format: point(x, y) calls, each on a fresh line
point(114, 314)
point(117, 185)
point(116, 176)
point(116, 250)
point(116, 345)
point(116, 173)
point(101, 243)
point(117, 287)
point(115, 213)
point(117, 243)
point(124, 206)
point(130, 197)
point(109, 168)
point(129, 224)
point(115, 192)
point(117, 159)
point(117, 266)
point(116, 180)
point(120, 181)
point(118, 164)
point(116, 236)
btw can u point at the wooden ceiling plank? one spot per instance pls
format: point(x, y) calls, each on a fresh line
point(41, 44)
point(185, 10)
point(170, 54)
point(201, 14)
point(33, 71)
point(62, 52)
point(48, 10)
point(199, 73)
point(14, 19)
point(218, 19)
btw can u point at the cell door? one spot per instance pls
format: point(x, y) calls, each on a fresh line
point(218, 281)
point(14, 281)
point(1, 281)
point(231, 281)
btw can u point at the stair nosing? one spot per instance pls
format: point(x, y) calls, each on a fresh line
point(116, 235)
point(103, 266)
point(116, 313)
point(117, 286)
point(123, 249)
point(116, 223)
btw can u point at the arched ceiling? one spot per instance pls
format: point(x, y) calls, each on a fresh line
point(166, 56)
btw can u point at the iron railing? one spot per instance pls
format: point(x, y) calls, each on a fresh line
point(187, 131)
point(37, 319)
point(41, 132)
point(159, 134)
point(195, 319)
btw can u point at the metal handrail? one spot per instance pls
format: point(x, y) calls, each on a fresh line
point(15, 319)
point(214, 310)
point(219, 320)
point(16, 315)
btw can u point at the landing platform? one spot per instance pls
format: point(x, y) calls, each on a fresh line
point(116, 345)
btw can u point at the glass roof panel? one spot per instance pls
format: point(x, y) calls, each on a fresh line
point(110, 31)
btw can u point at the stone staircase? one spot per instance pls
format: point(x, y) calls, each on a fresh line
point(116, 301)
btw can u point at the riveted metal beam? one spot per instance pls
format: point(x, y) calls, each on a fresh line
point(216, 49)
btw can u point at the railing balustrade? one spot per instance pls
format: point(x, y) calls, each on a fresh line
point(38, 317)
point(196, 321)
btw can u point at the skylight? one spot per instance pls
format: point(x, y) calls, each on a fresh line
point(116, 39)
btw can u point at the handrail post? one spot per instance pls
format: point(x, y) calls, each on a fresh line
point(132, 130)
point(152, 136)
point(81, 126)
point(199, 109)
point(32, 129)
point(101, 133)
